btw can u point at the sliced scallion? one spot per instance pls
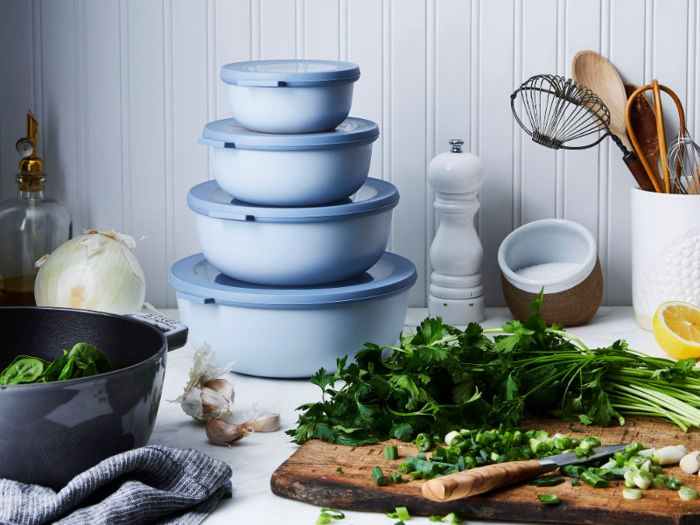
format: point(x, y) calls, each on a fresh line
point(631, 493)
point(548, 499)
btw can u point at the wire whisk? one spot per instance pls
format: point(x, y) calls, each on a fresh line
point(684, 163)
point(559, 110)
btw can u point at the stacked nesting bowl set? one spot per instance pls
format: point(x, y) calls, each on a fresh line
point(293, 272)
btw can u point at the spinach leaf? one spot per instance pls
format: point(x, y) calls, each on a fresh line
point(23, 369)
point(67, 371)
point(52, 372)
point(85, 354)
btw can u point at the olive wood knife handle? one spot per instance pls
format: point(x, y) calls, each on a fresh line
point(479, 480)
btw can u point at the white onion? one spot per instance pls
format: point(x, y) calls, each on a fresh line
point(95, 271)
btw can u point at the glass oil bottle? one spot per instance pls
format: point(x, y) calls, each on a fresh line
point(30, 225)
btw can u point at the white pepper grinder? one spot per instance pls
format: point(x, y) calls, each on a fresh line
point(456, 292)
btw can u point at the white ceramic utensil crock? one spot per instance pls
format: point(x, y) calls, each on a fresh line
point(291, 332)
point(665, 252)
point(571, 297)
point(290, 96)
point(293, 246)
point(290, 170)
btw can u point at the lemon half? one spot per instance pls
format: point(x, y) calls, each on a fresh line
point(677, 329)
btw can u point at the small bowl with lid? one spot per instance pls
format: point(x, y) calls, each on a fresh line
point(297, 246)
point(291, 331)
point(558, 256)
point(290, 96)
point(290, 170)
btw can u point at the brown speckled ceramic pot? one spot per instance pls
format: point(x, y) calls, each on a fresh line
point(571, 295)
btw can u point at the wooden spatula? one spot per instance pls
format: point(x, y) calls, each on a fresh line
point(643, 122)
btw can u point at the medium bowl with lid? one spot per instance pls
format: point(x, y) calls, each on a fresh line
point(291, 331)
point(559, 257)
point(290, 170)
point(293, 246)
point(290, 96)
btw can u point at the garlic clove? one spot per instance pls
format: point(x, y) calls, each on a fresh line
point(265, 422)
point(214, 405)
point(223, 387)
point(221, 433)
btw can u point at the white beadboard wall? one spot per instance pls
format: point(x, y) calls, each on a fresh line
point(122, 89)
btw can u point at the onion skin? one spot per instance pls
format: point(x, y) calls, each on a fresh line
point(109, 280)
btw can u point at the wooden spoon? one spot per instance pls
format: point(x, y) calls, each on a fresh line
point(600, 76)
point(643, 122)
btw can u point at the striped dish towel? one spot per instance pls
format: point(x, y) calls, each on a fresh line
point(152, 484)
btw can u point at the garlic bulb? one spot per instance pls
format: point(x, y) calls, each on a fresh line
point(206, 396)
point(221, 433)
point(265, 422)
point(95, 271)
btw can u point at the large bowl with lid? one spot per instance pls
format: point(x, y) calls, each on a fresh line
point(296, 246)
point(291, 331)
point(290, 170)
point(290, 96)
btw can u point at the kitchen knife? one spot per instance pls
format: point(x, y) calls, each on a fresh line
point(484, 479)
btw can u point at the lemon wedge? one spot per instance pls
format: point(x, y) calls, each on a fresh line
point(677, 329)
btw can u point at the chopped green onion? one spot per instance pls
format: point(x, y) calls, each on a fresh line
point(548, 499)
point(453, 518)
point(323, 519)
point(333, 513)
point(589, 443)
point(405, 467)
point(674, 484)
point(657, 482)
point(634, 448)
point(452, 438)
point(574, 482)
point(631, 493)
point(391, 453)
point(396, 477)
point(403, 513)
point(573, 471)
point(423, 442)
point(340, 470)
point(546, 482)
point(594, 480)
point(379, 476)
point(392, 515)
point(687, 493)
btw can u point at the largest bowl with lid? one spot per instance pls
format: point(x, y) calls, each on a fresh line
point(290, 96)
point(290, 170)
point(293, 246)
point(292, 331)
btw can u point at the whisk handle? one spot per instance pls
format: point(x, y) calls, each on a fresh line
point(638, 171)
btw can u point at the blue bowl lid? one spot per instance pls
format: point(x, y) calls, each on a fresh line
point(281, 73)
point(209, 199)
point(228, 133)
point(194, 279)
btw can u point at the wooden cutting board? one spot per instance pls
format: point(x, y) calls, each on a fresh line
point(310, 476)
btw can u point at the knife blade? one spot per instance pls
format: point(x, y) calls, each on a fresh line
point(484, 479)
point(569, 458)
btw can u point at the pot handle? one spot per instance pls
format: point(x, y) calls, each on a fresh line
point(175, 333)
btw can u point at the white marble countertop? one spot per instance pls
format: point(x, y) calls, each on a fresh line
point(255, 458)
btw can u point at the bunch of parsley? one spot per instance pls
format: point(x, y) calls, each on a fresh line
point(444, 379)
